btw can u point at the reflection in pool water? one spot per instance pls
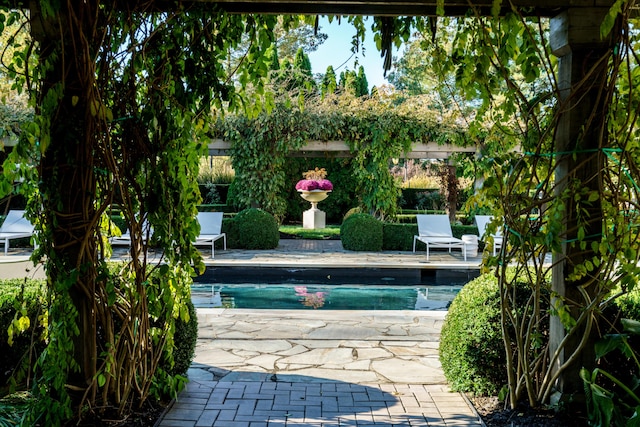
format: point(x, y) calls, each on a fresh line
point(324, 297)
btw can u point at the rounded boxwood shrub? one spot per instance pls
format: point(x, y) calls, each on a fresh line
point(361, 232)
point(472, 350)
point(471, 347)
point(256, 229)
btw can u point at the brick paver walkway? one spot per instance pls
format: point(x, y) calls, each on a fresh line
point(268, 404)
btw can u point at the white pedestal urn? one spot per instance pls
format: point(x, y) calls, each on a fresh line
point(314, 218)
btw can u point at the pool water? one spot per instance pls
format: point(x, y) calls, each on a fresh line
point(328, 289)
point(327, 297)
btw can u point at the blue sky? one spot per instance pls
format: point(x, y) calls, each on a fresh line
point(336, 50)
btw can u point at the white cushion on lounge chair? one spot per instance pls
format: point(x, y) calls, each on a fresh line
point(482, 221)
point(15, 226)
point(435, 232)
point(210, 230)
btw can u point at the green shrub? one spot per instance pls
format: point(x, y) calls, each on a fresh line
point(351, 212)
point(230, 228)
point(459, 230)
point(398, 237)
point(430, 199)
point(256, 229)
point(471, 346)
point(20, 356)
point(629, 305)
point(361, 232)
point(184, 338)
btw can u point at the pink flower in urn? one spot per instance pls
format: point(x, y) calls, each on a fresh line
point(307, 185)
point(314, 180)
point(325, 184)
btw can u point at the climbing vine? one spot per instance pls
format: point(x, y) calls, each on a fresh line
point(578, 202)
point(124, 100)
point(375, 129)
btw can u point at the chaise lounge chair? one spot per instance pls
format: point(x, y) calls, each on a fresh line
point(482, 221)
point(15, 226)
point(210, 230)
point(435, 232)
point(125, 238)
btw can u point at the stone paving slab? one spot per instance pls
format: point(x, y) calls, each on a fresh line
point(331, 254)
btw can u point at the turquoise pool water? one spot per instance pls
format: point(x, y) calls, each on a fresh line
point(328, 289)
point(323, 297)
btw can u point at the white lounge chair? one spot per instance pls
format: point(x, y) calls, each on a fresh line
point(125, 238)
point(435, 232)
point(210, 230)
point(15, 226)
point(482, 221)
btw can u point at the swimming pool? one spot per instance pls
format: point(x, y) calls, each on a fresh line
point(326, 297)
point(328, 289)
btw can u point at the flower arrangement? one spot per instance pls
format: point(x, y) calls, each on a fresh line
point(314, 179)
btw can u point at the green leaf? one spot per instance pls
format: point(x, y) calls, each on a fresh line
point(610, 18)
point(631, 326)
point(607, 344)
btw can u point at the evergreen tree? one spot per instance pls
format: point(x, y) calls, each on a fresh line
point(351, 82)
point(302, 63)
point(274, 64)
point(362, 85)
point(329, 84)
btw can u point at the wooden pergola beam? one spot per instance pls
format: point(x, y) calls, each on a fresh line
point(429, 150)
point(546, 8)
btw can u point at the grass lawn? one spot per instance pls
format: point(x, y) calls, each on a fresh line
point(297, 232)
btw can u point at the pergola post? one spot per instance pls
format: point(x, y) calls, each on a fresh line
point(581, 133)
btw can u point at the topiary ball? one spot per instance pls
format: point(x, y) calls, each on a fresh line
point(257, 229)
point(361, 232)
point(471, 347)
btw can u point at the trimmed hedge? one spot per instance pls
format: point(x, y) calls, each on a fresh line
point(255, 229)
point(361, 232)
point(398, 237)
point(14, 359)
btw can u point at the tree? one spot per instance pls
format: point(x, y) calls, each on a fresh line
point(302, 36)
point(329, 84)
point(131, 135)
point(349, 82)
point(14, 108)
point(362, 86)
